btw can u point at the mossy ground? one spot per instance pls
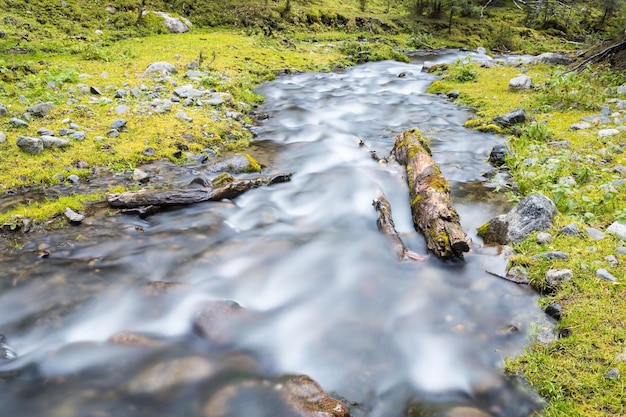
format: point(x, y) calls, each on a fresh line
point(569, 372)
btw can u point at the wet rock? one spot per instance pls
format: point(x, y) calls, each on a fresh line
point(292, 395)
point(131, 339)
point(29, 144)
point(534, 213)
point(521, 82)
point(54, 142)
point(217, 321)
point(552, 58)
point(571, 230)
point(618, 229)
point(554, 310)
point(19, 122)
point(512, 118)
point(119, 124)
point(497, 156)
point(465, 412)
point(580, 126)
point(552, 255)
point(170, 373)
point(3, 110)
point(544, 238)
point(160, 288)
point(41, 109)
point(3, 137)
point(612, 374)
point(234, 165)
point(605, 275)
point(164, 68)
point(73, 216)
point(6, 352)
point(594, 234)
point(555, 277)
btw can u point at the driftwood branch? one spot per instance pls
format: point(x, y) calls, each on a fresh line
point(228, 189)
point(519, 281)
point(386, 225)
point(432, 212)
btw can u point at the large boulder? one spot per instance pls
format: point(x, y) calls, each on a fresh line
point(534, 213)
point(552, 58)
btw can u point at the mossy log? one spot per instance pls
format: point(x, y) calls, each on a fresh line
point(432, 212)
point(185, 196)
point(386, 225)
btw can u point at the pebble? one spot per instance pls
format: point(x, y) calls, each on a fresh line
point(113, 133)
point(594, 234)
point(543, 238)
point(606, 275)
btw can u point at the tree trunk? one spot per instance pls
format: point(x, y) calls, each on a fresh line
point(185, 196)
point(140, 16)
point(432, 212)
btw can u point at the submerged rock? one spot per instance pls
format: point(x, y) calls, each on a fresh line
point(170, 373)
point(534, 213)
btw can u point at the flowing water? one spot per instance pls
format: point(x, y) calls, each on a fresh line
point(324, 295)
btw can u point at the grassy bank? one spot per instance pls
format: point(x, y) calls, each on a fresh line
point(581, 373)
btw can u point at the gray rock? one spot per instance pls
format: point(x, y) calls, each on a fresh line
point(497, 156)
point(181, 115)
point(235, 115)
point(597, 119)
point(234, 165)
point(188, 102)
point(594, 234)
point(560, 144)
point(113, 133)
point(188, 91)
point(72, 216)
point(163, 68)
point(119, 124)
point(19, 122)
point(120, 93)
point(555, 277)
point(543, 238)
point(612, 374)
point(621, 357)
point(612, 260)
point(136, 92)
point(215, 99)
point(606, 275)
point(621, 105)
point(519, 273)
point(74, 179)
point(121, 109)
point(54, 142)
point(567, 181)
point(45, 132)
point(621, 89)
point(607, 132)
point(161, 105)
point(74, 126)
point(95, 91)
point(140, 175)
point(552, 255)
point(193, 74)
point(65, 132)
point(481, 50)
point(175, 24)
point(570, 229)
point(554, 310)
point(521, 82)
point(552, 58)
point(3, 137)
point(149, 151)
point(29, 144)
point(534, 213)
point(80, 135)
point(41, 109)
point(621, 250)
point(618, 229)
point(580, 126)
point(3, 110)
point(514, 117)
point(167, 374)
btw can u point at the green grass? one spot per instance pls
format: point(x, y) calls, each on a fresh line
point(569, 372)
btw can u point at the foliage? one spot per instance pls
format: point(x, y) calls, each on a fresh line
point(462, 71)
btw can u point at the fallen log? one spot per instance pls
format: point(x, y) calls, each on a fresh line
point(386, 225)
point(225, 188)
point(432, 212)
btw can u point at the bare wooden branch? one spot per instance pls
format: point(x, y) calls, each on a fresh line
point(596, 57)
point(177, 197)
point(432, 212)
point(519, 281)
point(386, 225)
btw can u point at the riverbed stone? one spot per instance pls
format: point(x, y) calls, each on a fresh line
point(131, 339)
point(534, 213)
point(54, 142)
point(73, 216)
point(497, 156)
point(514, 117)
point(618, 229)
point(217, 321)
point(594, 234)
point(552, 58)
point(605, 275)
point(555, 277)
point(521, 82)
point(41, 109)
point(29, 144)
point(168, 374)
point(289, 395)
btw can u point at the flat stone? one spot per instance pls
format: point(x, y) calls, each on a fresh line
point(607, 132)
point(594, 234)
point(54, 142)
point(113, 133)
point(606, 275)
point(80, 135)
point(617, 229)
point(121, 109)
point(29, 144)
point(188, 91)
point(181, 115)
point(141, 176)
point(72, 216)
point(560, 144)
point(19, 122)
point(555, 277)
point(571, 230)
point(552, 255)
point(45, 132)
point(41, 109)
point(119, 124)
point(552, 58)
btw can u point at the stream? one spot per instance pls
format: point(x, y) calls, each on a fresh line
point(321, 290)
